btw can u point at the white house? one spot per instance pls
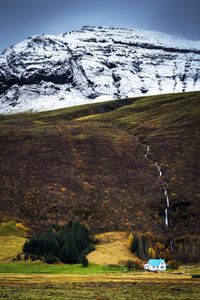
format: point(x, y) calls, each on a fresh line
point(155, 265)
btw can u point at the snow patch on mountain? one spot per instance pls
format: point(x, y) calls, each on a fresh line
point(95, 64)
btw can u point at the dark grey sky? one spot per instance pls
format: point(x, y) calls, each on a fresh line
point(21, 18)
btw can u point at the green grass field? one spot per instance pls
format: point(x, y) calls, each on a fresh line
point(42, 268)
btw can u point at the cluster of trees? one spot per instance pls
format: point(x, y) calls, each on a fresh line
point(69, 243)
point(138, 245)
point(146, 246)
point(134, 264)
point(187, 249)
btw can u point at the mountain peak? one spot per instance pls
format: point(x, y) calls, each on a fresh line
point(95, 64)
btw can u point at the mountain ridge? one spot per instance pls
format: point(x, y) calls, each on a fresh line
point(95, 64)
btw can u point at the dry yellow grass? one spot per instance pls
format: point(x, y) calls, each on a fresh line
point(10, 246)
point(111, 249)
point(86, 117)
point(144, 277)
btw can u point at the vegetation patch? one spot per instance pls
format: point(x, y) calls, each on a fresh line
point(42, 268)
point(68, 243)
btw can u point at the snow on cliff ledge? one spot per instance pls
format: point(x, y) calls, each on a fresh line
point(95, 64)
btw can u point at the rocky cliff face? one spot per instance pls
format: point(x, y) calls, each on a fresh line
point(95, 64)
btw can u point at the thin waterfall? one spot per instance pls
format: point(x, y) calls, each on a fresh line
point(159, 169)
point(171, 246)
point(166, 218)
point(146, 154)
point(166, 196)
point(165, 193)
point(165, 189)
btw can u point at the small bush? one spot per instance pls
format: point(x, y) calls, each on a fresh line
point(84, 261)
point(26, 256)
point(18, 256)
point(138, 264)
point(39, 257)
point(50, 258)
point(33, 257)
point(134, 264)
point(173, 264)
point(129, 264)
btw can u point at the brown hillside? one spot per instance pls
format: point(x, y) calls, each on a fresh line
point(89, 163)
point(91, 171)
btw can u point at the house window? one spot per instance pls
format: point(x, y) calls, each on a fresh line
point(162, 267)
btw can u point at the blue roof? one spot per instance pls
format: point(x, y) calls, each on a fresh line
point(156, 262)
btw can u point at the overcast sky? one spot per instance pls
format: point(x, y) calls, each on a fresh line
point(22, 18)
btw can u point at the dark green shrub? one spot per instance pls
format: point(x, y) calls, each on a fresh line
point(50, 258)
point(26, 256)
point(18, 256)
point(84, 261)
point(39, 257)
point(33, 257)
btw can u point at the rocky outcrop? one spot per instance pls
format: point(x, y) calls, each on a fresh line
point(95, 64)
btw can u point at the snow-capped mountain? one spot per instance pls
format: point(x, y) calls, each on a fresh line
point(95, 64)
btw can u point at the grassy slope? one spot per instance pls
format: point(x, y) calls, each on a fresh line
point(111, 249)
point(84, 162)
point(12, 240)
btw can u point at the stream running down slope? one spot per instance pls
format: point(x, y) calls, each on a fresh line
point(165, 189)
point(165, 192)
